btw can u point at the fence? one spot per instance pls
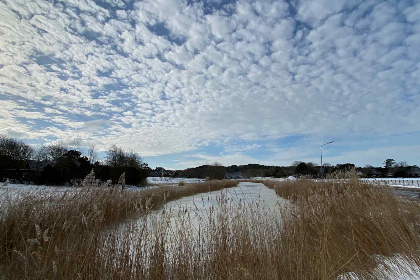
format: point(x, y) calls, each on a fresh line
point(395, 182)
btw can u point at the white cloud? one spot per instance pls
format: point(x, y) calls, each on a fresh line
point(260, 72)
point(315, 11)
point(232, 159)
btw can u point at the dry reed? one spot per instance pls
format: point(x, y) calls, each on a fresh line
point(343, 225)
point(36, 228)
point(328, 229)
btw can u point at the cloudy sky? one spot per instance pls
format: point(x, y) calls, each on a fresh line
point(185, 83)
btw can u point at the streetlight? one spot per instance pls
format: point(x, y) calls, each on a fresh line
point(322, 166)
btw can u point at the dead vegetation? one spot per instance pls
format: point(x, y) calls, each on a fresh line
point(328, 229)
point(38, 231)
point(342, 225)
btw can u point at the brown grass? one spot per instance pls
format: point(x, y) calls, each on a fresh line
point(326, 229)
point(232, 242)
point(38, 229)
point(341, 225)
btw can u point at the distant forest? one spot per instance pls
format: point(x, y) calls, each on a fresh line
point(297, 169)
point(60, 164)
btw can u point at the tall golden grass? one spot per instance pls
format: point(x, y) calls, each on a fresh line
point(36, 228)
point(342, 225)
point(326, 230)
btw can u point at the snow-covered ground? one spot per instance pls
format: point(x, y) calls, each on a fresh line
point(15, 189)
point(11, 191)
point(170, 180)
point(396, 268)
point(290, 178)
point(395, 182)
point(29, 188)
point(412, 183)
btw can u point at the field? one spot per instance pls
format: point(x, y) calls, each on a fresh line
point(300, 229)
point(169, 180)
point(396, 182)
point(392, 182)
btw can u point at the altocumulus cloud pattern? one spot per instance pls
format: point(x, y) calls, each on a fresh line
point(171, 76)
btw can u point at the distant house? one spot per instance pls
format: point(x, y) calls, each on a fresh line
point(20, 175)
point(160, 171)
point(25, 174)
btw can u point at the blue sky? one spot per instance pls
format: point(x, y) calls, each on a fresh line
point(185, 83)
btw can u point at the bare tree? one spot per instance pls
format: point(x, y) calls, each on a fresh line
point(73, 144)
point(295, 164)
point(117, 157)
point(51, 152)
point(91, 154)
point(15, 150)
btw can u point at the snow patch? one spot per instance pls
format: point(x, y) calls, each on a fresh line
point(396, 268)
point(170, 180)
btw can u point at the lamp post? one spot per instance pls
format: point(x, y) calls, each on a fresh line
point(322, 166)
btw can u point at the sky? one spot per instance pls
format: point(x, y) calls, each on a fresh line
point(185, 83)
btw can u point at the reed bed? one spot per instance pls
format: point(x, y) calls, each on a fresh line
point(326, 231)
point(344, 226)
point(36, 228)
point(232, 240)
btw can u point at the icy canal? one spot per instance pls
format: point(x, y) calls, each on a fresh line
point(244, 193)
point(197, 208)
point(194, 220)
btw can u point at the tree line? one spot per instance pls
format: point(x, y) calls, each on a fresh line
point(59, 164)
point(298, 169)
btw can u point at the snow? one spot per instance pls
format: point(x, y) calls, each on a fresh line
point(196, 211)
point(15, 189)
point(30, 188)
point(170, 180)
point(412, 183)
point(396, 268)
point(267, 179)
point(290, 178)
